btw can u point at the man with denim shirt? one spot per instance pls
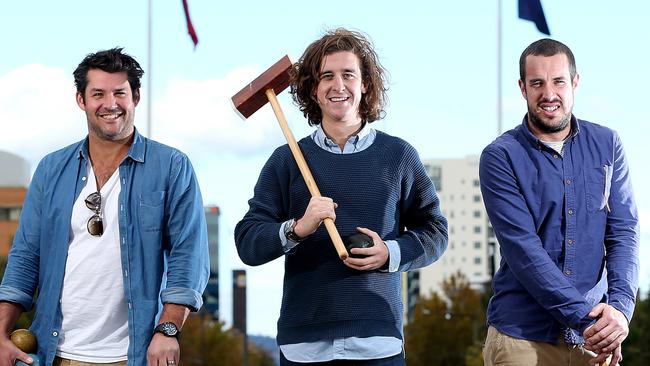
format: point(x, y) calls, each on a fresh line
point(558, 193)
point(112, 236)
point(348, 312)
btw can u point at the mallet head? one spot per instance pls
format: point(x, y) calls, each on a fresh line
point(252, 97)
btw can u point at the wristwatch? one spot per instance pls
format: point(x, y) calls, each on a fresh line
point(289, 232)
point(167, 329)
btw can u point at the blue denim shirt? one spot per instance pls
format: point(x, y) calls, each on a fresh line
point(163, 239)
point(561, 220)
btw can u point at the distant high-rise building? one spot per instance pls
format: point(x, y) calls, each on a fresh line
point(472, 249)
point(13, 188)
point(211, 293)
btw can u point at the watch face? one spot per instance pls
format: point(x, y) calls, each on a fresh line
point(168, 329)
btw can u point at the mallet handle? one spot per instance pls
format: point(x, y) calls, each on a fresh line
point(306, 173)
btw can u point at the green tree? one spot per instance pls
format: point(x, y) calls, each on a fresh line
point(205, 342)
point(635, 348)
point(447, 330)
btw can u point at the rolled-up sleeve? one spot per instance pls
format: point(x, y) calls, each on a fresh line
point(188, 267)
point(22, 273)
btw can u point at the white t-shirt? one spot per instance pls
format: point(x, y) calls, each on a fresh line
point(95, 315)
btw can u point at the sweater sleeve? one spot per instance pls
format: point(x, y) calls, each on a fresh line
point(256, 235)
point(425, 237)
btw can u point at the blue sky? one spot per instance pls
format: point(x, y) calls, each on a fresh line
point(441, 56)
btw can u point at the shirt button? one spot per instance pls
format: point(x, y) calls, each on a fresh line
point(56, 334)
point(568, 181)
point(570, 211)
point(567, 272)
point(570, 242)
point(83, 179)
point(556, 156)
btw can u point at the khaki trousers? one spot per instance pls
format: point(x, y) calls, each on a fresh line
point(58, 361)
point(502, 350)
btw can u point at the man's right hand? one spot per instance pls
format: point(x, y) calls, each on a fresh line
point(609, 331)
point(9, 353)
point(318, 209)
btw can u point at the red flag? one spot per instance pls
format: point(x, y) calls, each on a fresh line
point(190, 27)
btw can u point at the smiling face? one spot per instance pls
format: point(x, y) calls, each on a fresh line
point(340, 88)
point(549, 91)
point(109, 105)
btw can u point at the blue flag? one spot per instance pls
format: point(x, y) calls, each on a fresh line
point(532, 10)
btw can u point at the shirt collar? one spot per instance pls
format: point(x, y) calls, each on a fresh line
point(319, 135)
point(136, 151)
point(575, 129)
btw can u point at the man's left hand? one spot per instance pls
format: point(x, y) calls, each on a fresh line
point(163, 351)
point(376, 256)
point(607, 334)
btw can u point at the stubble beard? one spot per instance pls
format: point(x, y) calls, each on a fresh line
point(546, 127)
point(125, 131)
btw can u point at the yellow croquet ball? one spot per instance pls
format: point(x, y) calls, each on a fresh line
point(24, 339)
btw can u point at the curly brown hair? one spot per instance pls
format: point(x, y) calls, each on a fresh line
point(305, 75)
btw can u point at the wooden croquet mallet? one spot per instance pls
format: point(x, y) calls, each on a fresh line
point(255, 95)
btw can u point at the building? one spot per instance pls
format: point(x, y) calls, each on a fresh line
point(472, 244)
point(211, 294)
point(13, 187)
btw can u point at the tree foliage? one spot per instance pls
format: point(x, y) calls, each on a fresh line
point(636, 350)
point(204, 342)
point(447, 329)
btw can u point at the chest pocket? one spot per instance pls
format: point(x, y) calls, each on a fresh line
point(598, 182)
point(152, 208)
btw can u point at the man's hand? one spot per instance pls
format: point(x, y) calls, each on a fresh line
point(318, 209)
point(9, 353)
point(163, 351)
point(376, 255)
point(606, 359)
point(607, 334)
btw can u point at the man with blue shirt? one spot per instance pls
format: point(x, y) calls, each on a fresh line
point(112, 237)
point(558, 193)
point(343, 312)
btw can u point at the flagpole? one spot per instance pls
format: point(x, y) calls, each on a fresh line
point(499, 66)
point(149, 68)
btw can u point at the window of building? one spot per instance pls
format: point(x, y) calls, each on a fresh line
point(477, 198)
point(4, 214)
point(477, 260)
point(477, 213)
point(477, 245)
point(14, 214)
point(435, 173)
point(476, 183)
point(477, 229)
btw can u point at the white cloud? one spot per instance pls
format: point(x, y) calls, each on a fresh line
point(38, 111)
point(197, 116)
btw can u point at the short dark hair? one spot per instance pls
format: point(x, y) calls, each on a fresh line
point(546, 47)
point(112, 61)
point(305, 74)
